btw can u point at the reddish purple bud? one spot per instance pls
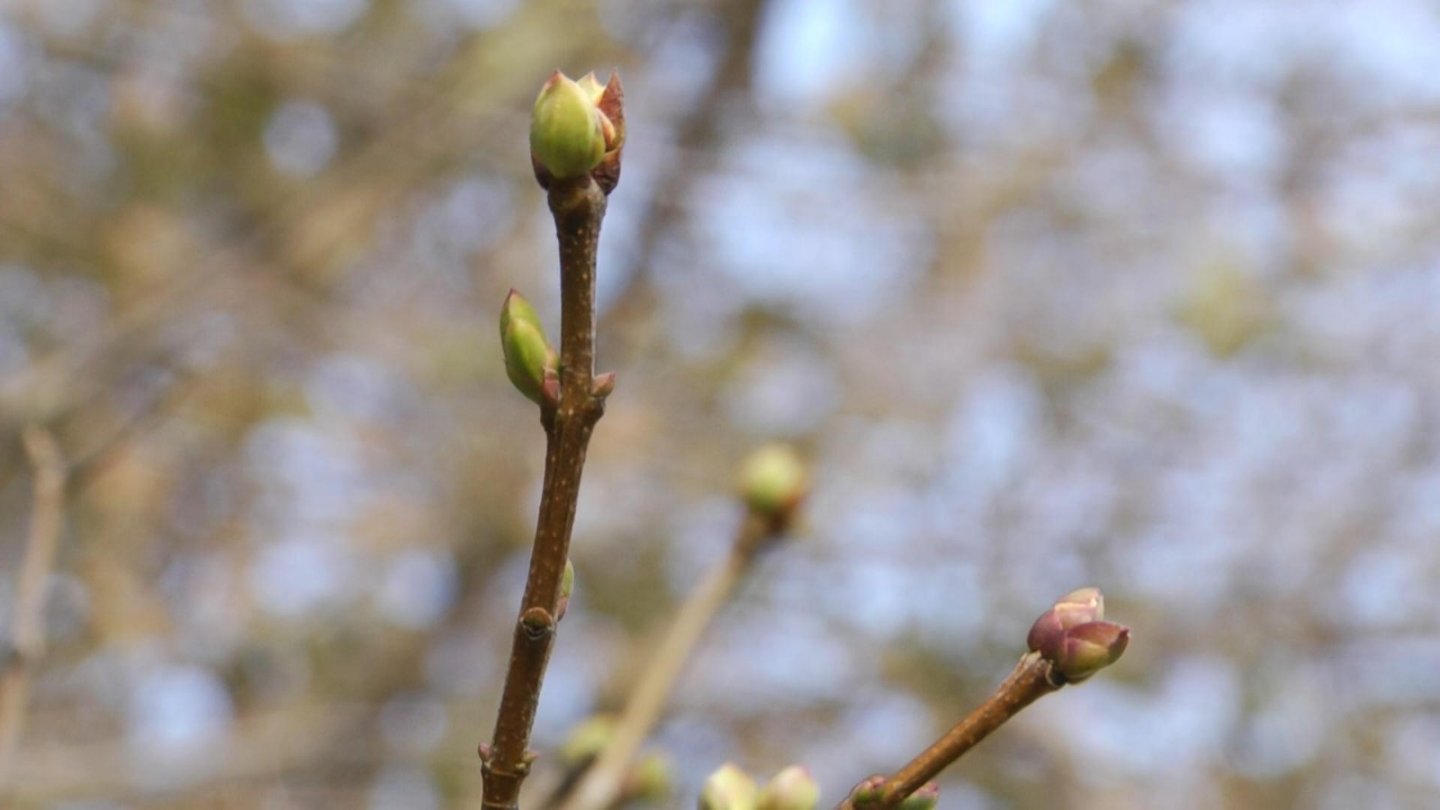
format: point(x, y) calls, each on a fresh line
point(1074, 608)
point(1088, 648)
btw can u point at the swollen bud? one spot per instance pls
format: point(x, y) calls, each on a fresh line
point(1088, 648)
point(578, 128)
point(926, 798)
point(869, 793)
point(773, 480)
point(1074, 608)
point(791, 789)
point(567, 137)
point(528, 356)
point(728, 788)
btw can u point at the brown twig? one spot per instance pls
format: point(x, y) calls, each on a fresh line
point(1031, 680)
point(578, 207)
point(27, 640)
point(601, 785)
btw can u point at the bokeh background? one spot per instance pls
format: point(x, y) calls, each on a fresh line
point(1144, 295)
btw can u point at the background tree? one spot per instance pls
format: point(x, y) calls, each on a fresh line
point(1139, 294)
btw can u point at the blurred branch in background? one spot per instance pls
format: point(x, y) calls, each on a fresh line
point(25, 641)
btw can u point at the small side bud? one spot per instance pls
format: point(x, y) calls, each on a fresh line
point(791, 789)
point(567, 136)
point(1088, 648)
point(567, 586)
point(529, 360)
point(926, 798)
point(650, 780)
point(586, 741)
point(728, 788)
point(773, 480)
point(1074, 608)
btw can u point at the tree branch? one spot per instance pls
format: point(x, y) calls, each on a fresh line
point(1032, 679)
point(27, 639)
point(603, 781)
point(578, 207)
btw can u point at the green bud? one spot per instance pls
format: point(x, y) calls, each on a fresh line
point(587, 740)
point(926, 798)
point(528, 356)
point(868, 793)
point(1088, 648)
point(773, 480)
point(791, 789)
point(1074, 608)
point(650, 780)
point(567, 133)
point(728, 788)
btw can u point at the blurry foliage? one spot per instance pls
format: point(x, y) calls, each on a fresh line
point(1141, 295)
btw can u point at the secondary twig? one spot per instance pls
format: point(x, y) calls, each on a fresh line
point(27, 629)
point(578, 207)
point(603, 781)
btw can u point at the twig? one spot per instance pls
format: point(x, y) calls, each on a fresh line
point(603, 781)
point(1032, 679)
point(578, 207)
point(27, 629)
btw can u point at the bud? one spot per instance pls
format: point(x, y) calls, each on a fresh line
point(650, 780)
point(773, 480)
point(567, 586)
point(587, 740)
point(1074, 608)
point(528, 356)
point(926, 798)
point(1088, 648)
point(791, 789)
point(578, 128)
point(728, 788)
point(868, 793)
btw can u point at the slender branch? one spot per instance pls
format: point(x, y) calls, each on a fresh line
point(27, 641)
point(1032, 679)
point(601, 785)
point(578, 207)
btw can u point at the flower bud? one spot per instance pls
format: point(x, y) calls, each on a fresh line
point(926, 798)
point(791, 789)
point(1088, 648)
point(773, 480)
point(567, 586)
point(587, 740)
point(528, 356)
point(728, 788)
point(1074, 608)
point(567, 137)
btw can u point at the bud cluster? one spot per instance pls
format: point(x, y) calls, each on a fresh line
point(730, 788)
point(578, 128)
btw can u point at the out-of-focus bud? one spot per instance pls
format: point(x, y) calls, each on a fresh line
point(578, 128)
point(1074, 608)
point(650, 780)
point(1088, 648)
point(868, 793)
point(791, 789)
point(773, 480)
point(926, 798)
point(587, 740)
point(728, 788)
point(567, 587)
point(528, 356)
